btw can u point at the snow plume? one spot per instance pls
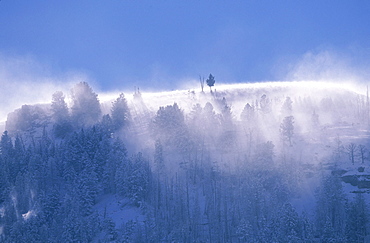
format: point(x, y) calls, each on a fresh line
point(329, 66)
point(23, 80)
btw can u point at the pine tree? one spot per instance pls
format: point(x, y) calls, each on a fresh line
point(117, 160)
point(51, 204)
point(358, 219)
point(137, 181)
point(211, 81)
point(289, 224)
point(86, 107)
point(4, 183)
point(121, 116)
point(307, 228)
point(109, 227)
point(106, 126)
point(287, 130)
point(20, 157)
point(287, 108)
point(158, 158)
point(11, 165)
point(88, 187)
point(330, 208)
point(265, 104)
point(169, 126)
point(59, 107)
point(248, 114)
point(6, 145)
point(60, 115)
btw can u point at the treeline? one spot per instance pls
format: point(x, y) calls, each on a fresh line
point(206, 178)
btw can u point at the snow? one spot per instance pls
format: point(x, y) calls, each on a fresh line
point(29, 214)
point(2, 125)
point(118, 209)
point(311, 156)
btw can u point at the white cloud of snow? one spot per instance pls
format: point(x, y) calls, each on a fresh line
point(24, 80)
point(328, 66)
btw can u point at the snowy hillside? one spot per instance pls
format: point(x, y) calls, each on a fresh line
point(257, 162)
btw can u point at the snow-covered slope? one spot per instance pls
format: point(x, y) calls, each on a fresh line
point(186, 164)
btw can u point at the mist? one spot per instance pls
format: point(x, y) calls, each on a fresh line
point(25, 80)
point(222, 163)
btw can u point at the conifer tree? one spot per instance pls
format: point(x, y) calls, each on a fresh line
point(211, 81)
point(358, 219)
point(86, 107)
point(287, 109)
point(120, 112)
point(287, 130)
point(331, 209)
point(60, 115)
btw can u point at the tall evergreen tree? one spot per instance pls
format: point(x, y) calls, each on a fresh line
point(287, 130)
point(210, 81)
point(358, 219)
point(86, 107)
point(59, 107)
point(120, 112)
point(331, 209)
point(60, 115)
point(287, 108)
point(248, 114)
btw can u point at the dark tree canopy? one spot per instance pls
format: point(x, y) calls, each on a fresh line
point(211, 80)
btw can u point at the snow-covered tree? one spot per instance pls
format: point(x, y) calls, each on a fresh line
point(248, 114)
point(287, 108)
point(59, 107)
point(287, 130)
point(358, 219)
point(60, 114)
point(331, 209)
point(351, 151)
point(86, 107)
point(120, 112)
point(265, 104)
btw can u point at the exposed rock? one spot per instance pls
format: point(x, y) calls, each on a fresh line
point(361, 181)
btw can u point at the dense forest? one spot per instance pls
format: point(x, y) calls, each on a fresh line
point(270, 164)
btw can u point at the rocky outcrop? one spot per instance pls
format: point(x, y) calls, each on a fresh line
point(362, 181)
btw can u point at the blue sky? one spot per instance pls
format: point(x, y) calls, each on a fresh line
point(119, 44)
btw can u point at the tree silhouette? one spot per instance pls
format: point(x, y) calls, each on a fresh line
point(86, 107)
point(201, 81)
point(211, 81)
point(120, 112)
